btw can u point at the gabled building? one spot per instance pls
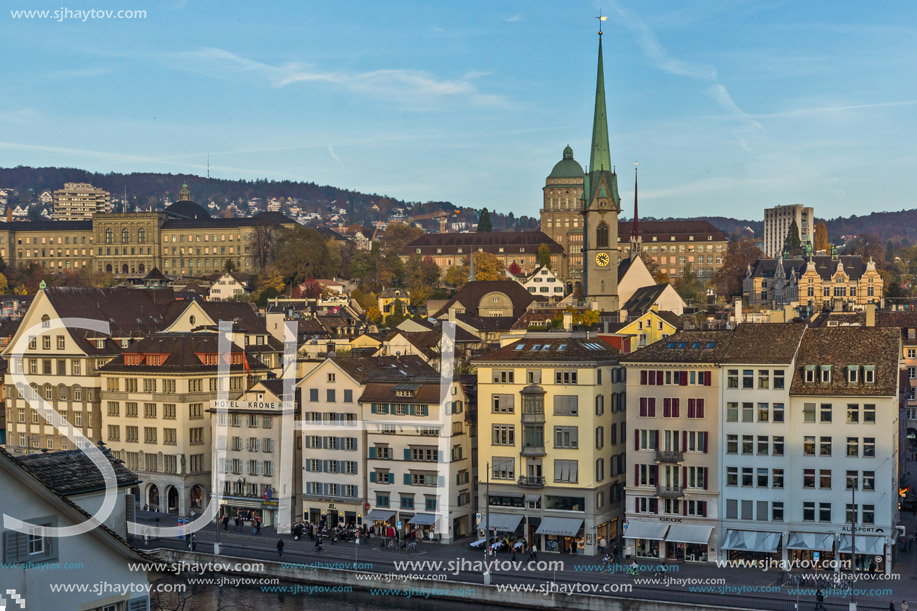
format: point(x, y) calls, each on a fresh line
point(486, 308)
point(453, 249)
point(229, 286)
point(543, 282)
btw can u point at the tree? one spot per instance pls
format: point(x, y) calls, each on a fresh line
point(739, 255)
point(821, 237)
point(544, 255)
point(659, 276)
point(262, 242)
point(272, 278)
point(487, 266)
point(689, 286)
point(303, 254)
point(792, 242)
point(398, 235)
point(484, 223)
point(229, 265)
point(4, 285)
point(397, 316)
point(514, 269)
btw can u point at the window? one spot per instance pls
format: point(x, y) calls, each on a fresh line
point(503, 404)
point(732, 444)
point(777, 511)
point(764, 378)
point(853, 413)
point(763, 412)
point(777, 479)
point(732, 476)
point(778, 412)
point(808, 511)
point(824, 478)
point(808, 478)
point(503, 468)
point(566, 437)
point(732, 412)
point(763, 445)
point(762, 478)
point(504, 435)
point(824, 512)
point(869, 447)
point(748, 412)
point(566, 471)
point(747, 476)
point(869, 514)
point(808, 445)
point(748, 444)
point(826, 374)
point(778, 379)
point(748, 378)
point(503, 376)
point(825, 412)
point(348, 396)
point(566, 405)
point(869, 414)
point(808, 412)
point(869, 371)
point(853, 446)
point(565, 377)
point(732, 378)
point(824, 446)
point(869, 480)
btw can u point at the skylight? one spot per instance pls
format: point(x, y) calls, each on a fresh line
point(695, 345)
point(682, 344)
point(520, 346)
point(546, 347)
point(535, 347)
point(670, 345)
point(562, 347)
point(710, 344)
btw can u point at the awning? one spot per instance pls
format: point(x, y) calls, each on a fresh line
point(811, 541)
point(509, 495)
point(652, 531)
point(424, 519)
point(689, 533)
point(866, 544)
point(562, 527)
point(379, 514)
point(532, 498)
point(752, 541)
point(503, 522)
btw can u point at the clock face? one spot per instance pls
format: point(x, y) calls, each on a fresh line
point(602, 259)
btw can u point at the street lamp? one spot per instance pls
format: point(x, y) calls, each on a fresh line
point(487, 523)
point(854, 482)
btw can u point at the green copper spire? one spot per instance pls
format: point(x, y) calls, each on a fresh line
point(600, 158)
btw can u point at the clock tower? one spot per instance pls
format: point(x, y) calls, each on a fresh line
point(600, 207)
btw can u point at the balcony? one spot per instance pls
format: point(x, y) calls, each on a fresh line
point(531, 481)
point(533, 451)
point(670, 456)
point(669, 492)
point(532, 417)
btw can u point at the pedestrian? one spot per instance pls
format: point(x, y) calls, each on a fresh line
point(819, 600)
point(258, 526)
point(533, 553)
point(225, 523)
point(280, 547)
point(238, 522)
point(614, 554)
point(193, 542)
point(891, 606)
point(602, 546)
point(904, 606)
point(872, 566)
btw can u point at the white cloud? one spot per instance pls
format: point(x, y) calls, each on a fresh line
point(414, 88)
point(334, 156)
point(514, 18)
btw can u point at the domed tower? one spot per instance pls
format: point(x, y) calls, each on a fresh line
point(560, 216)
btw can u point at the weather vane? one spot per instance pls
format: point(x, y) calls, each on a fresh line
point(601, 18)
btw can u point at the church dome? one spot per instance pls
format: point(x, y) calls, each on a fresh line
point(567, 167)
point(184, 208)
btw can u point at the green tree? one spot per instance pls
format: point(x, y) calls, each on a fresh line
point(397, 316)
point(792, 242)
point(484, 223)
point(303, 253)
point(739, 255)
point(229, 265)
point(689, 286)
point(544, 255)
point(398, 235)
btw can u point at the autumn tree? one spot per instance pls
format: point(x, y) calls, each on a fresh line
point(4, 285)
point(302, 253)
point(514, 269)
point(544, 255)
point(398, 235)
point(821, 237)
point(397, 316)
point(262, 242)
point(423, 273)
point(739, 255)
point(487, 266)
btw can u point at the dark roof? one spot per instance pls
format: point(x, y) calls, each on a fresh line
point(155, 274)
point(8, 327)
point(364, 369)
point(843, 346)
point(684, 347)
point(187, 210)
point(471, 294)
point(182, 350)
point(380, 392)
point(488, 241)
point(559, 348)
point(665, 230)
point(825, 266)
point(670, 317)
point(242, 314)
point(73, 472)
point(487, 323)
point(47, 226)
point(644, 298)
point(764, 343)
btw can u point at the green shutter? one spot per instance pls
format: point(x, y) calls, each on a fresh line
point(372, 452)
point(372, 477)
point(407, 479)
point(407, 454)
point(439, 456)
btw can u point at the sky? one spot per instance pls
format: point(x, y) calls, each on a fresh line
point(729, 107)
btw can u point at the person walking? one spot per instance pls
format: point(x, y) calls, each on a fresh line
point(602, 546)
point(225, 521)
point(891, 606)
point(280, 547)
point(193, 542)
point(819, 600)
point(533, 553)
point(904, 606)
point(614, 554)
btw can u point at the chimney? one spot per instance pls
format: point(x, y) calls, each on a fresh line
point(568, 321)
point(737, 311)
point(870, 315)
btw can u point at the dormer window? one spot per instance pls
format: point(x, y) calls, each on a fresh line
point(810, 374)
point(853, 372)
point(869, 374)
point(125, 343)
point(826, 374)
point(100, 343)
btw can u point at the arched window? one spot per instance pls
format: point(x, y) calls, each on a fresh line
point(141, 235)
point(45, 321)
point(601, 235)
point(109, 236)
point(125, 235)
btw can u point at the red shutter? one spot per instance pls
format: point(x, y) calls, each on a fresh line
point(651, 407)
point(706, 474)
point(703, 508)
point(666, 408)
point(656, 439)
point(684, 440)
point(659, 378)
point(690, 408)
point(643, 377)
point(699, 410)
point(656, 474)
point(643, 407)
point(675, 403)
point(683, 381)
point(705, 443)
point(684, 477)
point(636, 475)
point(684, 507)
point(636, 440)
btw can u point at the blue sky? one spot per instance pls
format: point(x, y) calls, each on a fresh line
point(728, 106)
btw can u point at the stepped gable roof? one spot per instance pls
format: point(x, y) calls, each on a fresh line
point(764, 343)
point(364, 369)
point(470, 295)
point(181, 350)
point(839, 347)
point(546, 348)
point(73, 472)
point(707, 347)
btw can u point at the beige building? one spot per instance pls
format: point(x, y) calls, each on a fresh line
point(562, 216)
point(673, 411)
point(777, 221)
point(78, 201)
point(156, 396)
point(551, 448)
point(674, 245)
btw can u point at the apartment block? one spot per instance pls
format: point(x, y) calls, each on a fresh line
point(777, 221)
point(78, 201)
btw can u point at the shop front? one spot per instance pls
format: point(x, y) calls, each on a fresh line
point(688, 542)
point(870, 553)
point(809, 550)
point(250, 509)
point(750, 545)
point(382, 520)
point(333, 514)
point(500, 524)
point(644, 539)
point(608, 531)
point(424, 526)
point(563, 535)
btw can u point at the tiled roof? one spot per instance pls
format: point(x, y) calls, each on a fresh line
point(496, 242)
point(664, 230)
point(487, 323)
point(825, 266)
point(380, 392)
point(364, 369)
point(469, 296)
point(73, 472)
point(670, 317)
point(685, 347)
point(843, 346)
point(561, 348)
point(764, 343)
point(182, 350)
point(643, 298)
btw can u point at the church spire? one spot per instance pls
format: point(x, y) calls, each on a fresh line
point(600, 157)
point(635, 230)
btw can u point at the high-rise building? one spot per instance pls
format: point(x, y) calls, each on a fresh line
point(78, 201)
point(777, 221)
